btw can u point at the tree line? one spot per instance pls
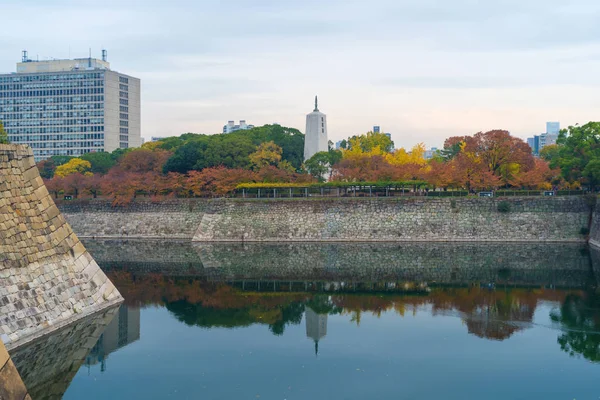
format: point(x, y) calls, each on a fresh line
point(194, 165)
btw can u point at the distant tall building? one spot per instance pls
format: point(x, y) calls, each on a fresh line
point(232, 127)
point(70, 107)
point(538, 142)
point(376, 129)
point(316, 326)
point(315, 139)
point(553, 128)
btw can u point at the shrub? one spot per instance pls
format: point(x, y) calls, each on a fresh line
point(584, 231)
point(453, 203)
point(504, 206)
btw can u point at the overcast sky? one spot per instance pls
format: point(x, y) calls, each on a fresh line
point(423, 70)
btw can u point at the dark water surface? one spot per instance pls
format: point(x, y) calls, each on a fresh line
point(332, 321)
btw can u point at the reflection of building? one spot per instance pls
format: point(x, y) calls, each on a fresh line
point(122, 330)
point(316, 326)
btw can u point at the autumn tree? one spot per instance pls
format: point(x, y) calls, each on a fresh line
point(74, 165)
point(73, 183)
point(267, 153)
point(143, 160)
point(370, 141)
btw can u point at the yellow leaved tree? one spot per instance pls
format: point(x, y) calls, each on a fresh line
point(402, 157)
point(74, 165)
point(267, 153)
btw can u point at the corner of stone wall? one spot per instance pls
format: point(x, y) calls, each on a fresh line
point(47, 277)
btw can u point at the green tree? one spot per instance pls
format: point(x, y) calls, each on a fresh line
point(101, 162)
point(196, 152)
point(3, 135)
point(551, 153)
point(60, 160)
point(578, 146)
point(46, 168)
point(320, 163)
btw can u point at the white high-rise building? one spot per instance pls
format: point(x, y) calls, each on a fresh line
point(315, 139)
point(70, 107)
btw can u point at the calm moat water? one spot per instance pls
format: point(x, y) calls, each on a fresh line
point(332, 321)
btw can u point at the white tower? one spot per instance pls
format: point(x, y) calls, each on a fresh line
point(315, 139)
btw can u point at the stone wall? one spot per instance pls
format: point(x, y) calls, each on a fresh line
point(529, 219)
point(382, 219)
point(47, 277)
point(173, 219)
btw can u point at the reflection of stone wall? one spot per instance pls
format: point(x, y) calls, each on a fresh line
point(11, 385)
point(47, 278)
point(48, 365)
point(445, 263)
point(389, 219)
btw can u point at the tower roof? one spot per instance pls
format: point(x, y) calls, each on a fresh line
point(316, 107)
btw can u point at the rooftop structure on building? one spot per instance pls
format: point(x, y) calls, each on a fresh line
point(376, 129)
point(157, 138)
point(70, 107)
point(232, 127)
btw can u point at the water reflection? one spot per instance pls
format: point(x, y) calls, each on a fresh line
point(124, 329)
point(579, 318)
point(48, 365)
point(495, 290)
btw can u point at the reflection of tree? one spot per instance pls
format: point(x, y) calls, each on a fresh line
point(579, 316)
point(322, 304)
point(488, 313)
point(290, 314)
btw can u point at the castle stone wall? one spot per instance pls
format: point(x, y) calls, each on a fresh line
point(47, 277)
point(558, 219)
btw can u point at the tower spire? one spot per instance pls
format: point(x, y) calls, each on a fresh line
point(316, 108)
